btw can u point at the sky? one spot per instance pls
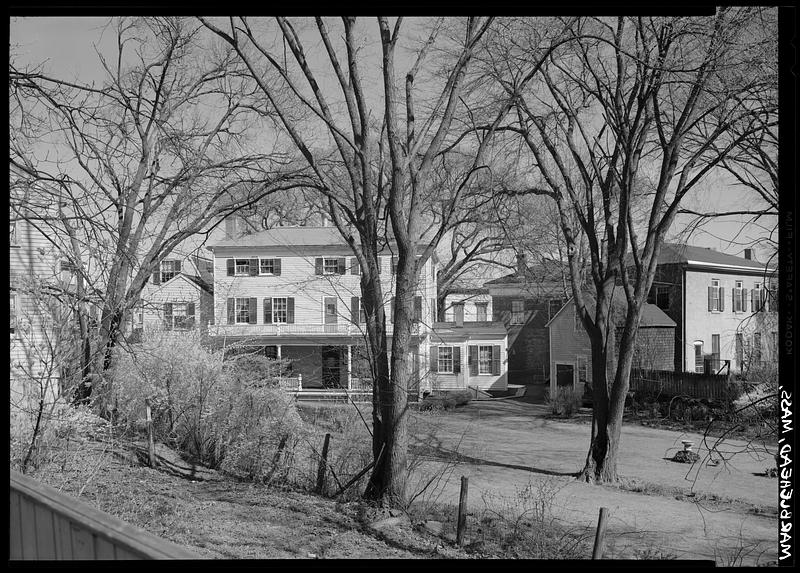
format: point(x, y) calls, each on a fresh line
point(67, 46)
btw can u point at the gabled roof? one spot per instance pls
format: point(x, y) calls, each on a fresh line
point(652, 316)
point(194, 280)
point(546, 271)
point(689, 254)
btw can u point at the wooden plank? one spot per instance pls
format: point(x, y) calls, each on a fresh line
point(63, 538)
point(28, 522)
point(15, 527)
point(124, 555)
point(133, 539)
point(82, 542)
point(45, 533)
point(103, 549)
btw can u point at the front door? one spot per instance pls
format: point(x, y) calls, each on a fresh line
point(331, 316)
point(565, 375)
point(331, 366)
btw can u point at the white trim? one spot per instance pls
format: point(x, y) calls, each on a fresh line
point(727, 266)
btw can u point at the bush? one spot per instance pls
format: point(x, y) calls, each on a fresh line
point(566, 402)
point(229, 416)
point(446, 400)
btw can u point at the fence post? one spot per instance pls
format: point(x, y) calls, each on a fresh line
point(151, 447)
point(323, 462)
point(462, 511)
point(597, 553)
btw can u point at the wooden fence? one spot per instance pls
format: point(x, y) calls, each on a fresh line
point(666, 383)
point(46, 524)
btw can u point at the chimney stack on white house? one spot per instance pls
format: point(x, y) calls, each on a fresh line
point(748, 254)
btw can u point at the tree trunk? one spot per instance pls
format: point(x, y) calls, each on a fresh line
point(387, 483)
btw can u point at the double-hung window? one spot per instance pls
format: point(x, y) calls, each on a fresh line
point(179, 315)
point(445, 365)
point(266, 267)
point(242, 310)
point(280, 311)
point(738, 299)
point(242, 267)
point(169, 269)
point(330, 266)
point(758, 297)
point(715, 296)
point(698, 356)
point(484, 359)
point(517, 312)
point(583, 370)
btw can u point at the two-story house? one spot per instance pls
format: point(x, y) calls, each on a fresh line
point(179, 296)
point(724, 306)
point(294, 294)
point(524, 302)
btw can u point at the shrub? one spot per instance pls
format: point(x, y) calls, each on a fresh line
point(446, 400)
point(566, 401)
point(229, 416)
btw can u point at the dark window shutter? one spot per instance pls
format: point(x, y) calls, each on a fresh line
point(456, 359)
point(231, 267)
point(177, 266)
point(391, 309)
point(744, 300)
point(734, 306)
point(190, 315)
point(318, 266)
point(157, 277)
point(710, 297)
point(433, 310)
point(418, 308)
point(355, 268)
point(721, 298)
point(394, 265)
point(231, 311)
point(168, 315)
point(290, 310)
point(267, 311)
point(253, 267)
point(276, 267)
point(342, 266)
point(253, 309)
point(496, 360)
point(473, 360)
point(354, 309)
point(434, 358)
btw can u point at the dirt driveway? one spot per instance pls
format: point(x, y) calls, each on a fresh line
point(724, 512)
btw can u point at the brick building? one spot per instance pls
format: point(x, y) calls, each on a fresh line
point(524, 302)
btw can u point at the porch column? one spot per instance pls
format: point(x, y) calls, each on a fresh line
point(279, 351)
point(349, 367)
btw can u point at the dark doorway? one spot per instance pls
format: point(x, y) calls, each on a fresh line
point(331, 366)
point(565, 375)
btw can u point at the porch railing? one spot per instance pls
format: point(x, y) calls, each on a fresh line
point(346, 329)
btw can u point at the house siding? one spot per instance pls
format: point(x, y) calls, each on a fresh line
point(177, 290)
point(32, 258)
point(437, 381)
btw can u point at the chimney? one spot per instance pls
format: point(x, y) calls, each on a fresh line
point(748, 254)
point(522, 264)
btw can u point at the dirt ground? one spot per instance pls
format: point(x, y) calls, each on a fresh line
point(724, 512)
point(514, 456)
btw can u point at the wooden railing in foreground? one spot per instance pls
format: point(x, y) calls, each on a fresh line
point(46, 524)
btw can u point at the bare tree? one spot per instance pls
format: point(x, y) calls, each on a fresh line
point(634, 97)
point(378, 180)
point(118, 175)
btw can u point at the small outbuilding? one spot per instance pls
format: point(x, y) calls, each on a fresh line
point(571, 351)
